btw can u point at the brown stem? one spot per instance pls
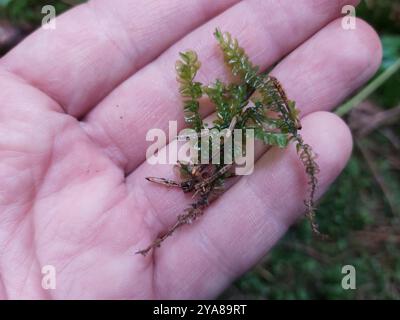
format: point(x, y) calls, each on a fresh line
point(191, 215)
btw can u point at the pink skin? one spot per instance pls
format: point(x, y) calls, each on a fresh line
point(76, 104)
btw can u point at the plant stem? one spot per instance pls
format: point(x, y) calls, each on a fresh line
point(368, 90)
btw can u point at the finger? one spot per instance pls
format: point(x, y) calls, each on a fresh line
point(267, 29)
point(315, 79)
point(238, 229)
point(99, 44)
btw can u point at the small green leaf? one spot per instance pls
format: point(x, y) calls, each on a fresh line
point(280, 140)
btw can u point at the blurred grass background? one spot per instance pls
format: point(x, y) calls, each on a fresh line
point(361, 211)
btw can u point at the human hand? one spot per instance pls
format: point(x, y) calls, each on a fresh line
point(76, 104)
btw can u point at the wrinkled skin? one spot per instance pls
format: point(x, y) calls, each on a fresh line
point(76, 103)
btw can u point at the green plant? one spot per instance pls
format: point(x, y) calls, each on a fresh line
point(257, 104)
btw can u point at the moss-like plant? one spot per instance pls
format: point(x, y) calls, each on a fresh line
point(256, 102)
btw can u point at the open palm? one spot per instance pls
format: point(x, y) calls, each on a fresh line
point(76, 104)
